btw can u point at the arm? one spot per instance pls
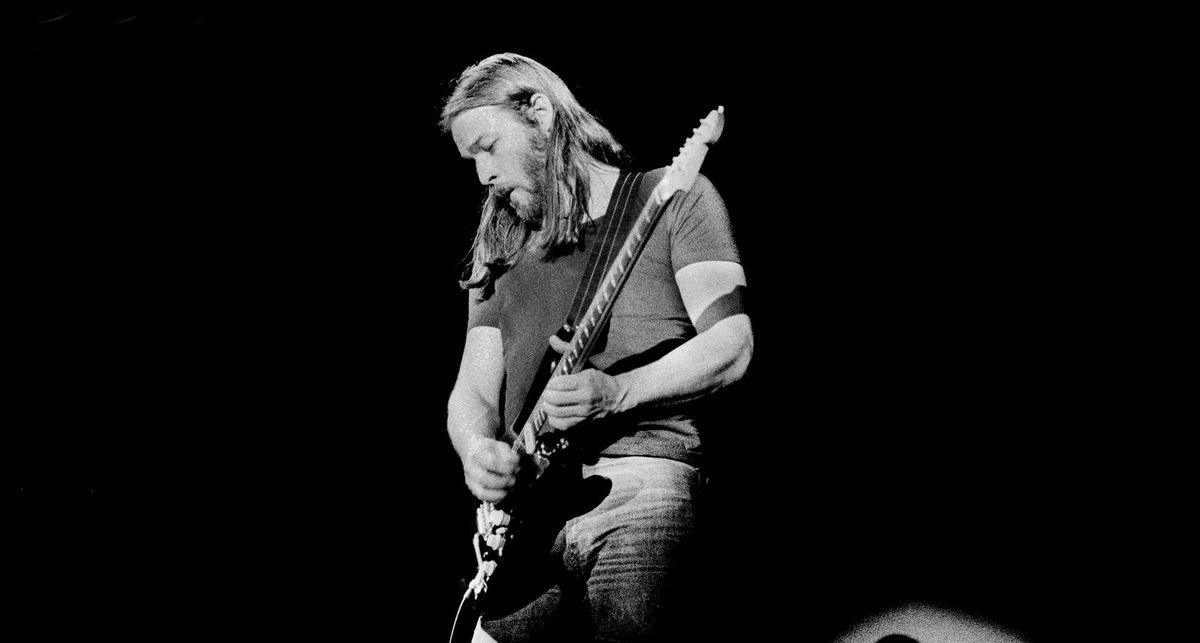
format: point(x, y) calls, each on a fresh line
point(489, 466)
point(716, 357)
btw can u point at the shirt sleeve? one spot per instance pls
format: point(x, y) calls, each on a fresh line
point(700, 227)
point(484, 312)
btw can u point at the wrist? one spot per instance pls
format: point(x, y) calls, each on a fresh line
point(625, 398)
point(469, 443)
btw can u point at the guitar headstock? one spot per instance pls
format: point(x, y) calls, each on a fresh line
point(685, 166)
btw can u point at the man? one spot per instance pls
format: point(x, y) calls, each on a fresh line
point(678, 333)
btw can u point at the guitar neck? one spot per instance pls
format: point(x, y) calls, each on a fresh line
point(597, 312)
point(678, 177)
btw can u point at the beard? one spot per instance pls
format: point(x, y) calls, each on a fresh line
point(532, 209)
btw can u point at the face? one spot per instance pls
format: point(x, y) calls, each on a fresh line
point(505, 150)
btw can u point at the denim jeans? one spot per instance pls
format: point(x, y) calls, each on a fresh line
point(623, 571)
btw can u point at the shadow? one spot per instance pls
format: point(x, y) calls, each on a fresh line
point(727, 305)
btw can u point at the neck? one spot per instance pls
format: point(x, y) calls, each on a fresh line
point(603, 178)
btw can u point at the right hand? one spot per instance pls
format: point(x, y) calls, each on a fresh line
point(490, 468)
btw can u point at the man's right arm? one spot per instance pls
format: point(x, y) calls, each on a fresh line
point(473, 419)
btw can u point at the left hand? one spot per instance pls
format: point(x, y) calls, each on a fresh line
point(587, 395)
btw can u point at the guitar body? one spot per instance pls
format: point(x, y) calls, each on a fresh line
point(537, 515)
point(533, 519)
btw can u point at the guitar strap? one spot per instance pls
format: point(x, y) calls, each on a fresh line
point(611, 233)
point(607, 236)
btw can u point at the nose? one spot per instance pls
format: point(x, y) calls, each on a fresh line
point(485, 171)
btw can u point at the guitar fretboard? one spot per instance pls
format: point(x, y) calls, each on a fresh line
point(679, 176)
point(598, 310)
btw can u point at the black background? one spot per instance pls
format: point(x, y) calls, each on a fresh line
point(232, 272)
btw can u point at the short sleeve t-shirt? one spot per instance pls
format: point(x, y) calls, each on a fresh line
point(532, 299)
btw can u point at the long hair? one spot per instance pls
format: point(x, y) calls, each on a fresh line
point(576, 138)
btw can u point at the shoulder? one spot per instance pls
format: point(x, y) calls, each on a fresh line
point(701, 186)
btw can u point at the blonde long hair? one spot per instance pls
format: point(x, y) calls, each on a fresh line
point(576, 139)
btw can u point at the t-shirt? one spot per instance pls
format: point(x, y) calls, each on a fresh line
point(532, 299)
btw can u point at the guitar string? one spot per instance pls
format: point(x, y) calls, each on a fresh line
point(538, 416)
point(574, 314)
point(632, 186)
point(619, 275)
point(610, 235)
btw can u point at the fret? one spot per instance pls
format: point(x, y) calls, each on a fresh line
point(679, 177)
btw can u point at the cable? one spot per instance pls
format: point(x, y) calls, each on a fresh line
point(458, 614)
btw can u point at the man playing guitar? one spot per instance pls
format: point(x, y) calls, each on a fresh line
point(618, 559)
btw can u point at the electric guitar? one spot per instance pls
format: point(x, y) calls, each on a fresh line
point(528, 515)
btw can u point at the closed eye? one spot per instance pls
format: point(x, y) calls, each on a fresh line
point(478, 147)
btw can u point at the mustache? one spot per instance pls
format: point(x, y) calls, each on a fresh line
point(499, 198)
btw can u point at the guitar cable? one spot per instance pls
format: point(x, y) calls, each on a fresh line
point(477, 586)
point(458, 614)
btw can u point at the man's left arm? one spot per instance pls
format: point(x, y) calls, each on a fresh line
point(717, 356)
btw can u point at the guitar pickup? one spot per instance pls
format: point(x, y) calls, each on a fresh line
point(548, 446)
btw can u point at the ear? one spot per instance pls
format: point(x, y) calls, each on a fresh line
point(542, 111)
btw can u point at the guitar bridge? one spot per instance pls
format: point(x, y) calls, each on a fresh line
point(492, 527)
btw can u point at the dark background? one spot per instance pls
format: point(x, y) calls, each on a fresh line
point(232, 276)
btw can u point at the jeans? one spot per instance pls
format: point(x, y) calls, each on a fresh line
point(623, 571)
